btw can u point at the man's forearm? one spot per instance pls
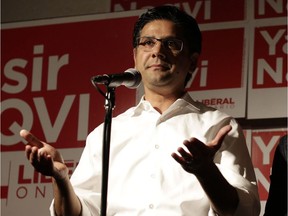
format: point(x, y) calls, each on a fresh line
point(223, 196)
point(66, 202)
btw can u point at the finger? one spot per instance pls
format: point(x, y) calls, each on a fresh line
point(186, 155)
point(33, 157)
point(220, 135)
point(194, 146)
point(28, 151)
point(183, 157)
point(178, 158)
point(31, 139)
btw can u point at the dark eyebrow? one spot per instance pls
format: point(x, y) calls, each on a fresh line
point(165, 38)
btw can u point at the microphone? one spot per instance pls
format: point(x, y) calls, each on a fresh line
point(131, 78)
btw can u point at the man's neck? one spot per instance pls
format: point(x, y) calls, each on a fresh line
point(161, 102)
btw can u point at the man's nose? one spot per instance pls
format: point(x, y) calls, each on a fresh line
point(159, 50)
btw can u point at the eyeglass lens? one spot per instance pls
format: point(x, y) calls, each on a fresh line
point(172, 44)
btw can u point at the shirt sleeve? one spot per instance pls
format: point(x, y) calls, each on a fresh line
point(86, 179)
point(235, 164)
point(52, 210)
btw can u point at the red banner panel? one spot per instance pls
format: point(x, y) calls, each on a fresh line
point(263, 145)
point(270, 8)
point(45, 78)
point(205, 11)
point(268, 70)
point(221, 62)
point(270, 57)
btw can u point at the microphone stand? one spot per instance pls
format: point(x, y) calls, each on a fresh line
point(109, 106)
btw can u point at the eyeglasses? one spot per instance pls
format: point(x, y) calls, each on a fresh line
point(172, 44)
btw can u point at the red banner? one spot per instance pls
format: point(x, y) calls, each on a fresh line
point(205, 11)
point(45, 78)
point(46, 67)
point(220, 68)
point(270, 9)
point(263, 145)
point(270, 57)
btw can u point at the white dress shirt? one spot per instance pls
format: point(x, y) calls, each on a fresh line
point(144, 179)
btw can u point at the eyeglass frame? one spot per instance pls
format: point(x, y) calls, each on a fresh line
point(163, 41)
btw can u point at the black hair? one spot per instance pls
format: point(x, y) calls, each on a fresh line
point(185, 22)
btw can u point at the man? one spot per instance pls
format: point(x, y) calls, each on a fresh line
point(209, 174)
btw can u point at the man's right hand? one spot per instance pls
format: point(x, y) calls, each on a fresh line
point(43, 157)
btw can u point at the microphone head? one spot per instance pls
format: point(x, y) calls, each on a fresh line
point(136, 78)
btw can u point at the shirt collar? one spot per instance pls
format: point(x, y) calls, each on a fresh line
point(184, 102)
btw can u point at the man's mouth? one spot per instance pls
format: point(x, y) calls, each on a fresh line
point(159, 66)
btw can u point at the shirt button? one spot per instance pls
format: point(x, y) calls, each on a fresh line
point(153, 175)
point(151, 206)
point(156, 146)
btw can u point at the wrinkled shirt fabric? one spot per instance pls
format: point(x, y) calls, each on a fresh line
point(144, 179)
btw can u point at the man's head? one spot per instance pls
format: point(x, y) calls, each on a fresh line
point(186, 23)
point(167, 35)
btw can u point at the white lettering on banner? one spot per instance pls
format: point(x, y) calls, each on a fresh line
point(25, 112)
point(12, 70)
point(83, 117)
point(276, 74)
point(197, 7)
point(205, 5)
point(37, 68)
point(203, 70)
point(55, 63)
point(277, 5)
point(272, 42)
point(20, 78)
point(15, 70)
point(262, 65)
point(266, 148)
point(261, 178)
point(51, 131)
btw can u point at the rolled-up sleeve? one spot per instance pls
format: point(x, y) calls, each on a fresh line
point(86, 179)
point(235, 164)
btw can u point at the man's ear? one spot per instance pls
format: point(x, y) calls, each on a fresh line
point(134, 55)
point(194, 59)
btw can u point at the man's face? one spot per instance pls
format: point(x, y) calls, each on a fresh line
point(161, 63)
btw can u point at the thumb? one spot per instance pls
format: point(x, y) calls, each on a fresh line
point(220, 136)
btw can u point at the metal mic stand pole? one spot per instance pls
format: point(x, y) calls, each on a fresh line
point(109, 106)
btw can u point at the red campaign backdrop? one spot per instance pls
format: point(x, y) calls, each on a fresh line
point(206, 11)
point(84, 49)
point(269, 9)
point(46, 88)
point(220, 64)
point(264, 143)
point(270, 57)
point(46, 75)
